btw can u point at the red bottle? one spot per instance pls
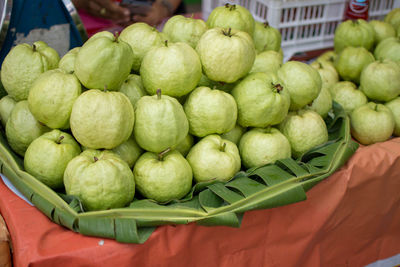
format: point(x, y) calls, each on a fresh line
point(356, 9)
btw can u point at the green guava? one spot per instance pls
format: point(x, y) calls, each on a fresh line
point(48, 155)
point(184, 146)
point(382, 30)
point(394, 106)
point(323, 103)
point(163, 177)
point(133, 88)
point(129, 151)
point(235, 134)
point(210, 111)
point(160, 123)
point(266, 37)
point(174, 68)
point(388, 49)
point(354, 33)
point(67, 62)
point(393, 17)
point(102, 119)
point(7, 103)
point(100, 179)
point(267, 61)
point(349, 97)
point(51, 97)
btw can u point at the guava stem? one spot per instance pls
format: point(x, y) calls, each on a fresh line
point(34, 48)
point(214, 87)
point(105, 88)
point(376, 107)
point(266, 24)
point(60, 139)
point(71, 72)
point(166, 43)
point(116, 36)
point(163, 153)
point(232, 7)
point(227, 33)
point(354, 21)
point(95, 159)
point(227, 5)
point(278, 87)
point(158, 92)
point(320, 65)
point(223, 146)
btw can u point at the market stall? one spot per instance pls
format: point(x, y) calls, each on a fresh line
point(349, 219)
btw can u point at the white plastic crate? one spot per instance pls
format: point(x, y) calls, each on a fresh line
point(305, 25)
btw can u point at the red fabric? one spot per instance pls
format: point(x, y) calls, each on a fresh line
point(350, 219)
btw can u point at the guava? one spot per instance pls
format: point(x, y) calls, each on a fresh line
point(160, 123)
point(235, 134)
point(129, 151)
point(388, 49)
point(67, 62)
point(328, 57)
point(210, 111)
point(372, 123)
point(266, 37)
point(51, 54)
point(102, 119)
point(174, 68)
point(51, 97)
point(349, 97)
point(393, 17)
point(164, 176)
point(141, 37)
point(262, 100)
point(327, 71)
point(48, 155)
point(184, 29)
point(232, 16)
point(205, 81)
point(100, 179)
point(214, 158)
point(7, 103)
point(351, 61)
point(133, 88)
point(22, 128)
point(380, 80)
point(394, 106)
point(305, 129)
point(353, 33)
point(323, 103)
point(104, 61)
point(302, 81)
point(267, 61)
point(382, 30)
point(261, 146)
point(226, 54)
point(184, 146)
point(20, 68)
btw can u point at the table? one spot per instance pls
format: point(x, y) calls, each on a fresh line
point(351, 218)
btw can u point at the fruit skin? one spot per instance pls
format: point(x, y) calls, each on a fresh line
point(327, 71)
point(210, 111)
point(48, 155)
point(235, 134)
point(394, 106)
point(262, 100)
point(226, 54)
point(184, 146)
point(174, 68)
point(232, 16)
point(348, 96)
point(351, 61)
point(102, 119)
point(133, 88)
point(129, 151)
point(211, 159)
point(22, 128)
point(302, 81)
point(163, 179)
point(304, 129)
point(380, 80)
point(382, 30)
point(372, 123)
point(183, 29)
point(141, 37)
point(22, 65)
point(7, 103)
point(323, 103)
point(261, 146)
point(100, 179)
point(106, 69)
point(51, 97)
point(67, 62)
point(388, 49)
point(393, 17)
point(267, 61)
point(354, 33)
point(266, 37)
point(160, 123)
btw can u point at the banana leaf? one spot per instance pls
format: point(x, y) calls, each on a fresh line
point(209, 203)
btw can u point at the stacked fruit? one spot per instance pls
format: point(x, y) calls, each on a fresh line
point(155, 112)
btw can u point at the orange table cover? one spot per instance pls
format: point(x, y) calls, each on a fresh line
point(351, 218)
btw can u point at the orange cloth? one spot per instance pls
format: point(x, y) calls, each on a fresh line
point(349, 219)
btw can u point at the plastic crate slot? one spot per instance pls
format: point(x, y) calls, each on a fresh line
point(288, 34)
point(245, 3)
point(262, 11)
point(330, 28)
point(288, 14)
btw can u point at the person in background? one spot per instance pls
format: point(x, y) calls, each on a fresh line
point(109, 9)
